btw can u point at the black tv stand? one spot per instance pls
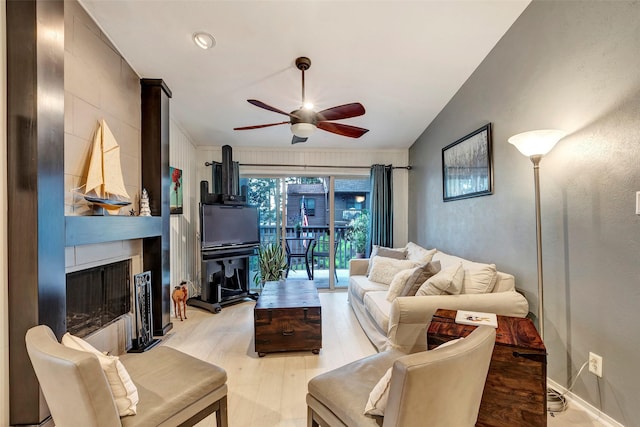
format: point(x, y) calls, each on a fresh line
point(225, 278)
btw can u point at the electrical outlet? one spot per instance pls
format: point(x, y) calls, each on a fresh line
point(595, 364)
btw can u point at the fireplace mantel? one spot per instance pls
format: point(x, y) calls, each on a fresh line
point(85, 230)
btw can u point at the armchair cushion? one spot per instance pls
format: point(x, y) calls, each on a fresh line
point(125, 393)
point(378, 397)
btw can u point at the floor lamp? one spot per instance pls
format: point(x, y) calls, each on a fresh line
point(535, 144)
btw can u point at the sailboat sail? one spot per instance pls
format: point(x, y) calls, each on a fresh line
point(105, 186)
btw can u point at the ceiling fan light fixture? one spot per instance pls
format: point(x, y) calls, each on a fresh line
point(308, 106)
point(303, 130)
point(203, 40)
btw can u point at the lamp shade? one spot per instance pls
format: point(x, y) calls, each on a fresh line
point(302, 130)
point(537, 142)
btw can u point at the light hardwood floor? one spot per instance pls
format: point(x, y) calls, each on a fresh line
point(270, 391)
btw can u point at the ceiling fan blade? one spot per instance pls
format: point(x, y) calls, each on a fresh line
point(265, 106)
point(260, 126)
point(296, 139)
point(342, 129)
point(341, 112)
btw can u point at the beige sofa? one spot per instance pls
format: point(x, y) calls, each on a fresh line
point(402, 323)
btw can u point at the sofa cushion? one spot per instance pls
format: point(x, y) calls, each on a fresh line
point(448, 281)
point(419, 254)
point(403, 281)
point(360, 285)
point(447, 260)
point(384, 269)
point(395, 253)
point(504, 282)
point(429, 270)
point(124, 391)
point(478, 278)
point(378, 309)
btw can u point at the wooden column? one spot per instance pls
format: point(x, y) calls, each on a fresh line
point(155, 178)
point(35, 183)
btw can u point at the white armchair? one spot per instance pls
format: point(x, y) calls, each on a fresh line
point(174, 388)
point(440, 387)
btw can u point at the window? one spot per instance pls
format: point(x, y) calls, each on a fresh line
point(310, 204)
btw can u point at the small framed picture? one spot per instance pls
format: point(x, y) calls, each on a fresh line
point(466, 166)
point(175, 191)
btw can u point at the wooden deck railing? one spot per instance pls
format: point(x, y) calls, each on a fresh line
point(345, 249)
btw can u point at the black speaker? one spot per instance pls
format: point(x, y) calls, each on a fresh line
point(204, 190)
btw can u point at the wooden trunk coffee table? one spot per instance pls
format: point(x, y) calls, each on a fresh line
point(287, 317)
point(516, 389)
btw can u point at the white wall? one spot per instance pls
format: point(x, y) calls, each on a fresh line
point(4, 285)
point(184, 227)
point(303, 157)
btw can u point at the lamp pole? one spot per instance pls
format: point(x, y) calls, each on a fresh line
point(536, 178)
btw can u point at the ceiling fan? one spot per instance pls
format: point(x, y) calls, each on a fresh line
point(304, 121)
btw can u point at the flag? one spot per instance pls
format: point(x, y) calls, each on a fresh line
point(303, 213)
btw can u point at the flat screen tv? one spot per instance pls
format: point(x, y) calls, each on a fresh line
point(228, 225)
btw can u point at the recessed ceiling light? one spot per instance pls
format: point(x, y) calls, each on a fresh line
point(204, 40)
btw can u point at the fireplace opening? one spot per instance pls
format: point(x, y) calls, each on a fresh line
point(97, 296)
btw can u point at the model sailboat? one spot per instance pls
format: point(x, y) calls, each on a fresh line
point(105, 186)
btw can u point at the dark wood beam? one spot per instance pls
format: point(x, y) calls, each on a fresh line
point(155, 178)
point(35, 182)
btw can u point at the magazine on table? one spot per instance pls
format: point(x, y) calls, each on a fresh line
point(476, 318)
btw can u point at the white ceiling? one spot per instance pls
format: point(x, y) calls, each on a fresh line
point(403, 60)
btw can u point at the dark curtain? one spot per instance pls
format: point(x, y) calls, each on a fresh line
point(216, 178)
point(382, 205)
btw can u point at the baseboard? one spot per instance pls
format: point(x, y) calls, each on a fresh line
point(584, 405)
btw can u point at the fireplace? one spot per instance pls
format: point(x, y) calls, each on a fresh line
point(97, 296)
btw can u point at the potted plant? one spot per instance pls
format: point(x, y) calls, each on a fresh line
point(272, 262)
point(358, 233)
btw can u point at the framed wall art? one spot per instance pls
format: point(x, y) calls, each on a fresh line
point(466, 166)
point(175, 191)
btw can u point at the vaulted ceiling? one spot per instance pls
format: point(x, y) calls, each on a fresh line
point(403, 60)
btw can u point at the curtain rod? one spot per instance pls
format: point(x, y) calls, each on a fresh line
point(312, 166)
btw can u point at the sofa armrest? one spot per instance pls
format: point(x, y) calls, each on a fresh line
point(410, 317)
point(358, 266)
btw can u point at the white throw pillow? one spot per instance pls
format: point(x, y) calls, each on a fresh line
point(447, 281)
point(400, 253)
point(377, 402)
point(479, 278)
point(403, 281)
point(384, 269)
point(124, 391)
point(417, 253)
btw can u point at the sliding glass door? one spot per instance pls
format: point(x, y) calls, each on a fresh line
point(321, 220)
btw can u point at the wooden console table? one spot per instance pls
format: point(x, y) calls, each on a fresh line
point(515, 393)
